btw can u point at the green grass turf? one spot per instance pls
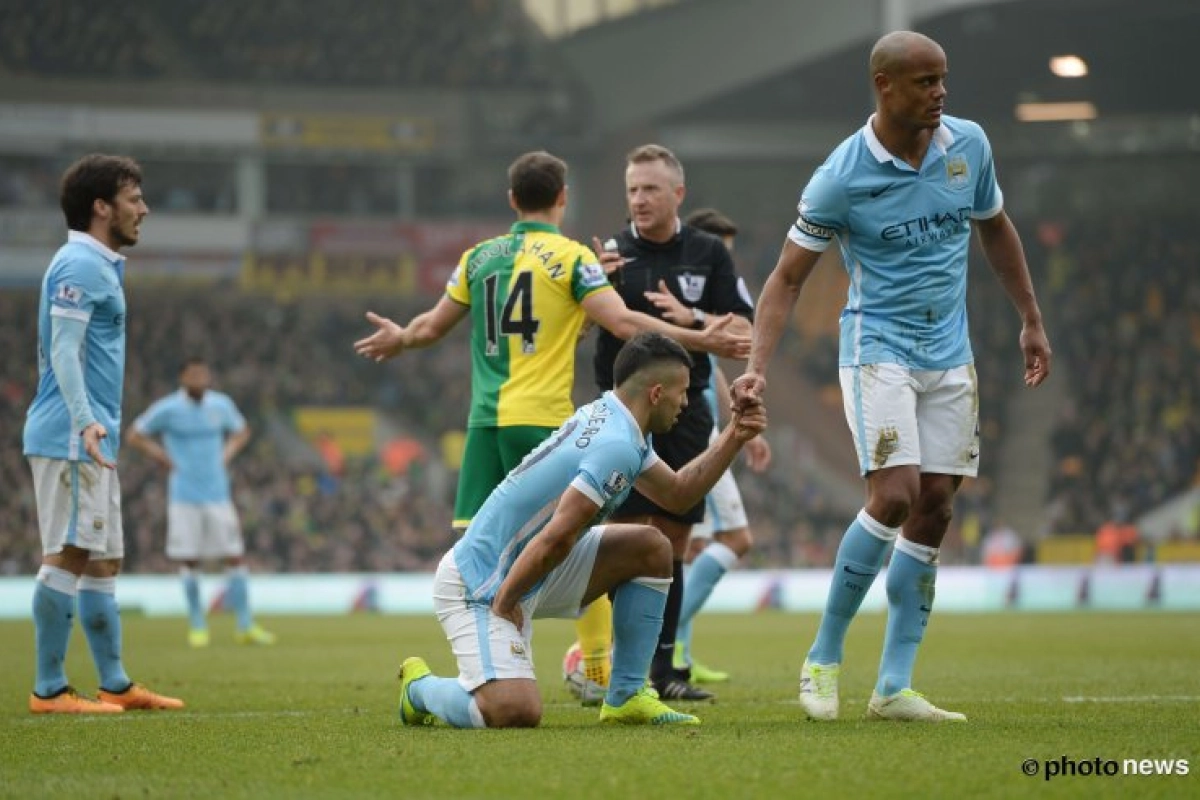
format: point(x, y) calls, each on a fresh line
point(314, 716)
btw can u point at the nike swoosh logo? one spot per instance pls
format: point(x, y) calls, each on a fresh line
point(860, 574)
point(876, 192)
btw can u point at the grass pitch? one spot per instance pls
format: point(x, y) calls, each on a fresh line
point(314, 716)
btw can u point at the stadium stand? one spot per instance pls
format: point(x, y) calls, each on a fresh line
point(414, 43)
point(1125, 292)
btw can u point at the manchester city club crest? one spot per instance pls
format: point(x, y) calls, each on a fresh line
point(957, 171)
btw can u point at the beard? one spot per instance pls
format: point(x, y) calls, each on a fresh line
point(120, 238)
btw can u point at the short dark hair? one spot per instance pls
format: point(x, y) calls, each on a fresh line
point(536, 179)
point(712, 221)
point(647, 153)
point(192, 361)
point(646, 350)
point(91, 178)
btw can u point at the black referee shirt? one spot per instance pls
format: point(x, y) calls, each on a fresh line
point(697, 269)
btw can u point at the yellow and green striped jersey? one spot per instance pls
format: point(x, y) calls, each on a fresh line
point(524, 290)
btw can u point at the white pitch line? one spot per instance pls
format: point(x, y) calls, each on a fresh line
point(1145, 698)
point(1148, 698)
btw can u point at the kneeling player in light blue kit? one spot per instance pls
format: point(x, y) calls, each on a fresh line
point(537, 549)
point(901, 197)
point(202, 432)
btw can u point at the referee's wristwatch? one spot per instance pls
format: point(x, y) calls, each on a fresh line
point(698, 318)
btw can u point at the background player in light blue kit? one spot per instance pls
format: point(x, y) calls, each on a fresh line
point(536, 549)
point(900, 196)
point(202, 431)
point(723, 538)
point(72, 434)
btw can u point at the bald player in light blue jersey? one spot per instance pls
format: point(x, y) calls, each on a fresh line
point(202, 431)
point(72, 435)
point(537, 548)
point(900, 197)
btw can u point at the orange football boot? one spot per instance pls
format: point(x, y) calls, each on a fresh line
point(139, 698)
point(69, 701)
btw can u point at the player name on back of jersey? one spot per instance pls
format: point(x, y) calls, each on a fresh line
point(598, 413)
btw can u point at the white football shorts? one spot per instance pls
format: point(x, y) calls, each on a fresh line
point(488, 647)
point(900, 416)
point(723, 509)
point(78, 504)
point(203, 531)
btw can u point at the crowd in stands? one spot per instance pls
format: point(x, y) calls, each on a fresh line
point(297, 515)
point(377, 43)
point(1127, 325)
point(300, 515)
point(1124, 315)
point(74, 39)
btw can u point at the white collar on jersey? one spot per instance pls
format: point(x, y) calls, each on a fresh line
point(942, 139)
point(81, 237)
point(633, 228)
point(610, 394)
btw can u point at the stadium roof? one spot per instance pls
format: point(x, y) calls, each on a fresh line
point(775, 60)
point(1139, 56)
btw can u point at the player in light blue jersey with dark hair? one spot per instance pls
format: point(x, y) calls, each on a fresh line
point(537, 548)
point(202, 431)
point(900, 197)
point(72, 437)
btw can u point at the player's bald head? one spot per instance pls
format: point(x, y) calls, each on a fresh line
point(896, 51)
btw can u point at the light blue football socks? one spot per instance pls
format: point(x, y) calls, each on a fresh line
point(102, 624)
point(191, 593)
point(53, 617)
point(637, 619)
point(446, 700)
point(910, 589)
point(705, 573)
point(860, 556)
point(238, 596)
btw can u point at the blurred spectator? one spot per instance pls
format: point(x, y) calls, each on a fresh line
point(1116, 540)
point(1002, 547)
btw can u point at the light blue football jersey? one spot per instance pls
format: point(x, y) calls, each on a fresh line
point(193, 434)
point(904, 236)
point(710, 391)
point(600, 451)
point(85, 282)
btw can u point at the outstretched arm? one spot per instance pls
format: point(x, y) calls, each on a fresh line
point(758, 450)
point(722, 338)
point(1002, 246)
point(677, 313)
point(679, 491)
point(775, 305)
point(390, 339)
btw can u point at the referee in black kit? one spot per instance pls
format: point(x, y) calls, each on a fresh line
point(656, 252)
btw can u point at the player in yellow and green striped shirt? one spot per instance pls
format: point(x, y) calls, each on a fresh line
point(528, 293)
